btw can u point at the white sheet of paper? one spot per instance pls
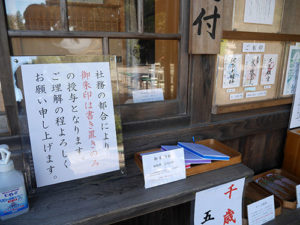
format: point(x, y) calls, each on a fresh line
point(236, 96)
point(148, 95)
point(254, 47)
point(232, 71)
point(230, 90)
point(251, 69)
point(163, 167)
point(220, 204)
point(261, 211)
point(71, 120)
point(269, 68)
point(292, 71)
point(298, 195)
point(295, 114)
point(259, 11)
point(256, 94)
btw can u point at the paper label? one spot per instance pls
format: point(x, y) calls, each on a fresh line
point(298, 195)
point(295, 114)
point(163, 167)
point(231, 90)
point(236, 96)
point(267, 86)
point(256, 94)
point(71, 120)
point(250, 89)
point(254, 47)
point(220, 205)
point(259, 11)
point(148, 95)
point(13, 201)
point(269, 67)
point(261, 211)
point(232, 71)
point(251, 69)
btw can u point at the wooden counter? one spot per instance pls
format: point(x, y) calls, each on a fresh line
point(108, 200)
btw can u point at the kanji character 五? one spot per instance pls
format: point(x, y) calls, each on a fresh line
point(201, 17)
point(231, 189)
point(207, 217)
point(228, 217)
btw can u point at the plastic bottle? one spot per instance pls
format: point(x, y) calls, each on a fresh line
point(13, 197)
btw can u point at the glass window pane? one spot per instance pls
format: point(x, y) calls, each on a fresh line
point(57, 46)
point(161, 16)
point(33, 14)
point(103, 15)
point(146, 64)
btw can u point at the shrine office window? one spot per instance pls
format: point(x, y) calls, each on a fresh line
point(149, 38)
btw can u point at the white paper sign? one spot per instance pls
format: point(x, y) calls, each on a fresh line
point(295, 114)
point(298, 195)
point(267, 86)
point(251, 69)
point(259, 11)
point(268, 73)
point(232, 71)
point(148, 95)
point(220, 205)
point(254, 47)
point(71, 120)
point(261, 211)
point(256, 94)
point(236, 96)
point(163, 167)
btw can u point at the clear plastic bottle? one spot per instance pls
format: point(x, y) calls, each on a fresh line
point(13, 197)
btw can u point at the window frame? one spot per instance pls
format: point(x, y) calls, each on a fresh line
point(130, 112)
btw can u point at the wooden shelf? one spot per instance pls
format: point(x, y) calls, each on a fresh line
point(106, 201)
point(217, 109)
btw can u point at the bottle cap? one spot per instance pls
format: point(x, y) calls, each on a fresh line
point(6, 164)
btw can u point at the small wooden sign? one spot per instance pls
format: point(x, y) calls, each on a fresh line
point(205, 26)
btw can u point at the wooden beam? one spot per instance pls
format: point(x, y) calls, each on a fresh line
point(91, 34)
point(6, 77)
point(239, 35)
point(64, 15)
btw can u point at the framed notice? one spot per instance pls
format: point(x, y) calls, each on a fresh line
point(247, 71)
point(74, 130)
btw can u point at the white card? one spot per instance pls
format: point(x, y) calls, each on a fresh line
point(163, 167)
point(232, 71)
point(220, 205)
point(251, 69)
point(259, 11)
point(148, 95)
point(261, 211)
point(256, 94)
point(254, 47)
point(298, 195)
point(71, 120)
point(269, 67)
point(230, 90)
point(236, 96)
